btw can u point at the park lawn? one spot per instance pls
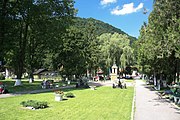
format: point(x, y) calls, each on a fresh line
point(26, 86)
point(104, 103)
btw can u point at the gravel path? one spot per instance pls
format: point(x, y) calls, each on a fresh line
point(149, 106)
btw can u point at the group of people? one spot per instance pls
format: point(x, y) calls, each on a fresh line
point(45, 84)
point(3, 90)
point(120, 84)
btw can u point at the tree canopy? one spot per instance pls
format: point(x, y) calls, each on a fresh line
point(159, 40)
point(46, 34)
point(27, 28)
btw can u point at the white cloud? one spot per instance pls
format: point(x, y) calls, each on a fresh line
point(105, 2)
point(127, 9)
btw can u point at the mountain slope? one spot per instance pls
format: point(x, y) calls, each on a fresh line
point(99, 26)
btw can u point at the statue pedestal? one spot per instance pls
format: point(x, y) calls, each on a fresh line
point(113, 76)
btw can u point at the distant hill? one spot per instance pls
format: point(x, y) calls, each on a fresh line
point(99, 26)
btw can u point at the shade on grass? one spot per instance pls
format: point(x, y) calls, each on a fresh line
point(26, 86)
point(104, 103)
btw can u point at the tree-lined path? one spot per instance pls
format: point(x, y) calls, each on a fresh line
point(149, 107)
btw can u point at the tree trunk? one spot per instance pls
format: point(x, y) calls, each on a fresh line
point(31, 77)
point(155, 80)
point(172, 68)
point(2, 28)
point(22, 49)
point(160, 81)
point(174, 63)
point(178, 69)
point(7, 73)
point(30, 61)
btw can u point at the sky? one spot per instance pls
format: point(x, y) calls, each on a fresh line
point(126, 15)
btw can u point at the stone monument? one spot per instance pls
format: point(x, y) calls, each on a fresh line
point(114, 72)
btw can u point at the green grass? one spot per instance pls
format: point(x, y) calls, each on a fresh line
point(104, 103)
point(26, 86)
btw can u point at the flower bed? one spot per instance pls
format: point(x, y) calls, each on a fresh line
point(34, 104)
point(69, 95)
point(59, 95)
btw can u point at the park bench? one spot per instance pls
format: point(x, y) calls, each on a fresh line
point(172, 94)
point(177, 96)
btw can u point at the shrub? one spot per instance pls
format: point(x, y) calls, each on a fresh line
point(69, 95)
point(2, 77)
point(35, 104)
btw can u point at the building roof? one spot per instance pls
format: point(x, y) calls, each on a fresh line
point(39, 71)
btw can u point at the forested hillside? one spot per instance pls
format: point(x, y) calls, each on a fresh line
point(99, 26)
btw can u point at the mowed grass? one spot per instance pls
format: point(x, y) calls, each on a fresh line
point(26, 86)
point(104, 103)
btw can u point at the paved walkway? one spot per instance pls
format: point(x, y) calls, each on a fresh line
point(107, 83)
point(149, 107)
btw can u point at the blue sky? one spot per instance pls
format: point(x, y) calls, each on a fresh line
point(124, 14)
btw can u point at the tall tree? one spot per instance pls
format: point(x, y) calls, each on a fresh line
point(31, 20)
point(112, 47)
point(162, 38)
